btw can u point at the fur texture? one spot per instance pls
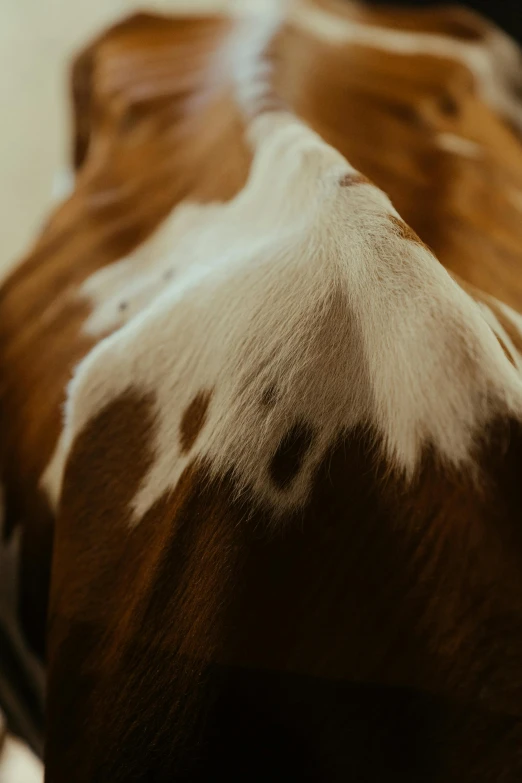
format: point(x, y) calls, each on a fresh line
point(305, 286)
point(290, 458)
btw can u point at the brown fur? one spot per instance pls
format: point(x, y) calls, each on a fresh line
point(354, 179)
point(193, 420)
point(404, 231)
point(133, 175)
point(167, 575)
point(290, 455)
point(450, 20)
point(373, 583)
point(384, 112)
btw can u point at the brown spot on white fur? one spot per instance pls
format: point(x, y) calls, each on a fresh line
point(506, 352)
point(405, 231)
point(353, 178)
point(193, 420)
point(269, 396)
point(290, 455)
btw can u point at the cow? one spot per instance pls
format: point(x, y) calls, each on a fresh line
point(269, 437)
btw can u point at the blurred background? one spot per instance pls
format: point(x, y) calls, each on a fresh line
point(37, 40)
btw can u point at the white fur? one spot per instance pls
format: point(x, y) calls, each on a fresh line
point(499, 330)
point(304, 286)
point(512, 316)
point(63, 184)
point(299, 285)
point(18, 764)
point(458, 145)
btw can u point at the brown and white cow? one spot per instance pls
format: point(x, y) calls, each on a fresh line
point(285, 489)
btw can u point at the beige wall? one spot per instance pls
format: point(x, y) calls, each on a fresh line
point(37, 39)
